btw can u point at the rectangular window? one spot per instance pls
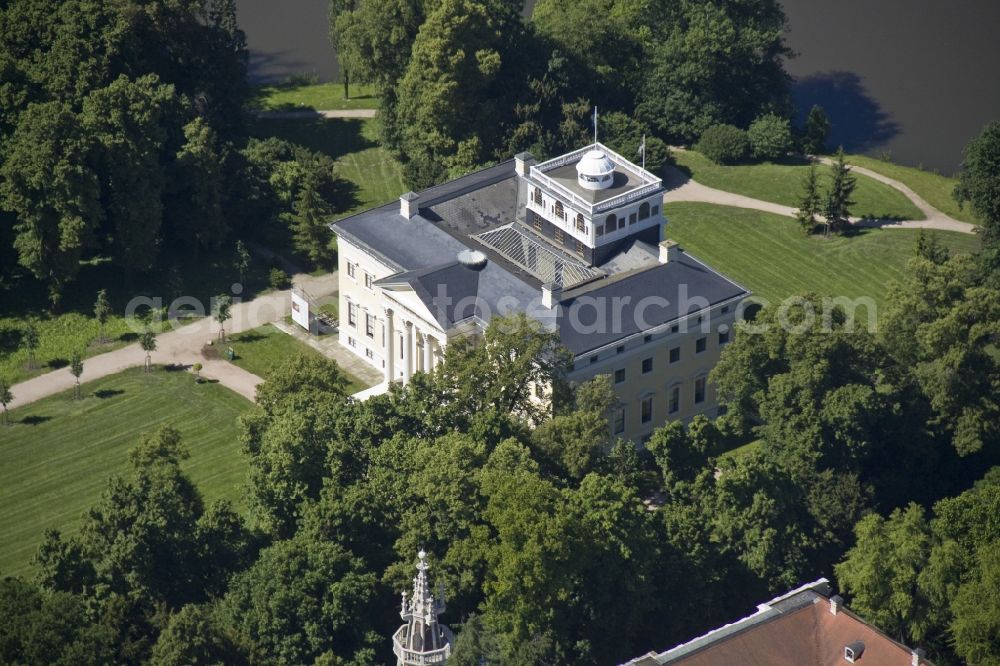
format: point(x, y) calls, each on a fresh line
point(620, 349)
point(599, 229)
point(674, 328)
point(632, 218)
point(647, 338)
point(536, 222)
point(656, 210)
point(619, 375)
point(368, 279)
point(579, 248)
point(350, 341)
point(724, 337)
point(350, 269)
point(560, 236)
point(621, 222)
point(725, 309)
point(699, 390)
point(646, 413)
point(593, 359)
point(675, 400)
point(369, 325)
point(580, 226)
point(369, 353)
point(352, 314)
point(675, 354)
point(699, 345)
point(647, 365)
point(619, 425)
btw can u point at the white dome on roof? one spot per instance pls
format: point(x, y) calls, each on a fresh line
point(595, 171)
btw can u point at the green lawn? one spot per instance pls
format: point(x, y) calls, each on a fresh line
point(374, 175)
point(769, 253)
point(262, 349)
point(934, 188)
point(59, 453)
point(782, 184)
point(315, 96)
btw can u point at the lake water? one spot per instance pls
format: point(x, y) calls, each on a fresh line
point(915, 78)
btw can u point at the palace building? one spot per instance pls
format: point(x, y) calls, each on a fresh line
point(576, 242)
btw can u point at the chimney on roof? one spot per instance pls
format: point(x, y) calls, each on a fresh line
point(835, 602)
point(408, 204)
point(551, 292)
point(916, 656)
point(523, 163)
point(669, 251)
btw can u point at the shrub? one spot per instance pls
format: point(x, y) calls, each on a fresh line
point(770, 137)
point(278, 279)
point(724, 144)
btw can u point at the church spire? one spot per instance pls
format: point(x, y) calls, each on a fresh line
point(422, 640)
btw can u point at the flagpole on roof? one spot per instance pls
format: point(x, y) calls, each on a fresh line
point(595, 124)
point(643, 149)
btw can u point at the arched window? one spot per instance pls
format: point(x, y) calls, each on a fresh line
point(580, 226)
point(559, 210)
point(538, 196)
point(643, 210)
point(611, 223)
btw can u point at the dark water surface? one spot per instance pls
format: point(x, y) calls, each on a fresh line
point(916, 78)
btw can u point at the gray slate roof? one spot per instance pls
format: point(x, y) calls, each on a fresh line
point(424, 250)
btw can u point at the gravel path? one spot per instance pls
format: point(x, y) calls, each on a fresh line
point(680, 187)
point(182, 346)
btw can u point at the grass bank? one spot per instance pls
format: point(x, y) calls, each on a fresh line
point(769, 253)
point(782, 184)
point(264, 348)
point(932, 187)
point(296, 96)
point(60, 452)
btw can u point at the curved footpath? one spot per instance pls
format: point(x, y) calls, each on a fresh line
point(182, 346)
point(680, 187)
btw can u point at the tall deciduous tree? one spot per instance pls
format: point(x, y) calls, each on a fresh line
point(339, 24)
point(979, 186)
point(130, 120)
point(305, 598)
point(48, 181)
point(457, 88)
point(195, 215)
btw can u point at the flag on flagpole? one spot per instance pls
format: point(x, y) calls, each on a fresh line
point(642, 151)
point(595, 124)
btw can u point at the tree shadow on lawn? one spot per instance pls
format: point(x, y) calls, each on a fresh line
point(857, 121)
point(334, 136)
point(10, 340)
point(56, 363)
point(35, 419)
point(247, 337)
point(104, 394)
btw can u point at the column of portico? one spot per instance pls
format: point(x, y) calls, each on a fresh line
point(428, 363)
point(389, 347)
point(408, 344)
